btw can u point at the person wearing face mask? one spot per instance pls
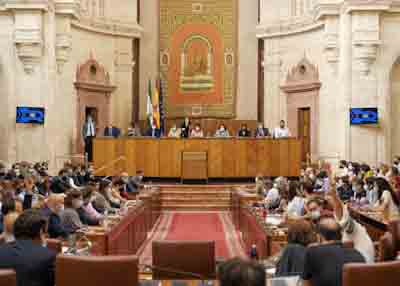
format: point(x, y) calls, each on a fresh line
point(174, 132)
point(359, 192)
point(33, 263)
point(222, 132)
point(55, 204)
point(197, 132)
point(261, 132)
point(351, 229)
point(371, 193)
point(88, 196)
point(315, 209)
point(344, 189)
point(70, 219)
point(388, 203)
point(244, 131)
point(128, 185)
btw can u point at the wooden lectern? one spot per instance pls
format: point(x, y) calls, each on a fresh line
point(194, 166)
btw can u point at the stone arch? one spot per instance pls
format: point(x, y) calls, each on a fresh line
point(301, 89)
point(94, 90)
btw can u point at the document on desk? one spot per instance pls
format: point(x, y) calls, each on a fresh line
point(285, 281)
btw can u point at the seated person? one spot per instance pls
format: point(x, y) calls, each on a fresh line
point(315, 209)
point(9, 220)
point(240, 272)
point(197, 132)
point(323, 264)
point(33, 263)
point(344, 189)
point(222, 131)
point(88, 197)
point(70, 219)
point(352, 230)
point(111, 131)
point(296, 201)
point(282, 131)
point(261, 132)
point(55, 203)
point(153, 131)
point(244, 131)
point(174, 132)
point(134, 130)
point(388, 203)
point(272, 200)
point(300, 235)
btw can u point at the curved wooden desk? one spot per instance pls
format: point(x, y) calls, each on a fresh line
point(226, 157)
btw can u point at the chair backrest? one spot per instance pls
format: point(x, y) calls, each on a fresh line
point(8, 278)
point(54, 244)
point(176, 259)
point(382, 274)
point(96, 270)
point(394, 228)
point(387, 250)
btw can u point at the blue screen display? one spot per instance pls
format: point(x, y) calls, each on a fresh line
point(32, 115)
point(364, 116)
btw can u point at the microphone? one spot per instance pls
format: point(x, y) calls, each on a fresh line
point(174, 271)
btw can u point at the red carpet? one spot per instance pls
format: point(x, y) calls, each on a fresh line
point(199, 226)
point(215, 226)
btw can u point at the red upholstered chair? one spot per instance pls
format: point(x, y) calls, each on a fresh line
point(8, 278)
point(96, 270)
point(389, 243)
point(177, 259)
point(382, 274)
point(54, 244)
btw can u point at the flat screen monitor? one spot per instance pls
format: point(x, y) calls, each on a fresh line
point(359, 116)
point(30, 115)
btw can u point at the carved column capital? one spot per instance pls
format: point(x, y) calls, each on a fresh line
point(70, 8)
point(366, 39)
point(28, 42)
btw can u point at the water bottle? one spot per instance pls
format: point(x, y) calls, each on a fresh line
point(253, 252)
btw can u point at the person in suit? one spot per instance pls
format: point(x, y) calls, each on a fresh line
point(174, 132)
point(153, 132)
point(222, 131)
point(88, 133)
point(55, 204)
point(261, 131)
point(244, 131)
point(112, 131)
point(185, 128)
point(134, 130)
point(33, 263)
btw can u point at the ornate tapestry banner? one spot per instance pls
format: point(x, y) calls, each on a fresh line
point(198, 42)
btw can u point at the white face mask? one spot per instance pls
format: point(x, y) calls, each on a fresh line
point(222, 129)
point(315, 215)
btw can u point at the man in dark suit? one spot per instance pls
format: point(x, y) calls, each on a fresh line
point(244, 131)
point(33, 263)
point(261, 132)
point(111, 131)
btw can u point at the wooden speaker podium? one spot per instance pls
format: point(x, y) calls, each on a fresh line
point(194, 166)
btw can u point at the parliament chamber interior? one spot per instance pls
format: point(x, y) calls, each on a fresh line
point(199, 142)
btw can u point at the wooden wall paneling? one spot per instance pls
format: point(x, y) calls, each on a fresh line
point(295, 157)
point(171, 158)
point(152, 158)
point(275, 158)
point(196, 145)
point(241, 158)
point(120, 163)
point(264, 157)
point(284, 157)
point(130, 155)
point(251, 157)
point(140, 155)
point(101, 154)
point(216, 158)
point(229, 158)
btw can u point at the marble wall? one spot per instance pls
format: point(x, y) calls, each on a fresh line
point(353, 45)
